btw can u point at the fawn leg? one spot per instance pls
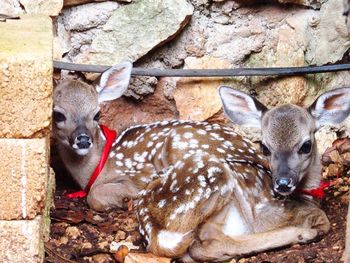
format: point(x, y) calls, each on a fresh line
point(222, 247)
point(213, 245)
point(105, 196)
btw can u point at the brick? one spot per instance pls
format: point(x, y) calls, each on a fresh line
point(26, 77)
point(22, 240)
point(24, 177)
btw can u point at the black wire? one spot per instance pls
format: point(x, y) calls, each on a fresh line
point(281, 71)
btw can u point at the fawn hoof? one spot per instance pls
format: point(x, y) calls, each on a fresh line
point(307, 235)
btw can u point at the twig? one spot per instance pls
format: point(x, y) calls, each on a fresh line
point(58, 258)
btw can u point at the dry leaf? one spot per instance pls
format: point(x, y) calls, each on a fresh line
point(335, 157)
point(334, 170)
point(122, 252)
point(346, 158)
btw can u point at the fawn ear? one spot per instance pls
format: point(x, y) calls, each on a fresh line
point(331, 107)
point(114, 82)
point(241, 108)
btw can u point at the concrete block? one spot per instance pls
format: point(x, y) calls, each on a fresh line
point(21, 240)
point(24, 177)
point(25, 77)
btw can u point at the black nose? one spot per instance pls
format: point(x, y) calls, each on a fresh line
point(283, 184)
point(83, 141)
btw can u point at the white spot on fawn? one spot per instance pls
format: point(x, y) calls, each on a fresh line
point(119, 156)
point(170, 240)
point(161, 203)
point(188, 135)
point(180, 145)
point(234, 223)
point(201, 132)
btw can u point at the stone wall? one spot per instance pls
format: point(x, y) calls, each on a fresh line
point(162, 34)
point(205, 34)
point(25, 120)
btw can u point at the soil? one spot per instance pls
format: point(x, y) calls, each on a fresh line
point(79, 234)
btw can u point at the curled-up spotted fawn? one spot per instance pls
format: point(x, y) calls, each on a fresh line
point(219, 203)
point(204, 193)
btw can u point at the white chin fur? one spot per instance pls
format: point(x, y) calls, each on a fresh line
point(82, 152)
point(286, 193)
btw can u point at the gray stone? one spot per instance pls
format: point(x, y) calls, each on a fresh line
point(77, 26)
point(19, 7)
point(141, 86)
point(51, 8)
point(312, 3)
point(84, 17)
point(134, 30)
point(316, 4)
point(330, 39)
point(11, 8)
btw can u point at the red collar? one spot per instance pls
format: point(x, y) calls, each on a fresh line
point(317, 193)
point(110, 137)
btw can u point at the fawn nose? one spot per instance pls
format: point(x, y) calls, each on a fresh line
point(83, 141)
point(283, 185)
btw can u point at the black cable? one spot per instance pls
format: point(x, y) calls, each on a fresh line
point(281, 71)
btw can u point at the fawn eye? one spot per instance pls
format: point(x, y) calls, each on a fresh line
point(58, 116)
point(97, 116)
point(305, 148)
point(264, 149)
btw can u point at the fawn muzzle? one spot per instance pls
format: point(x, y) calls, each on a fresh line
point(81, 140)
point(284, 185)
point(285, 180)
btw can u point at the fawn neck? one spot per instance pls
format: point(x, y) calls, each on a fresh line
point(82, 166)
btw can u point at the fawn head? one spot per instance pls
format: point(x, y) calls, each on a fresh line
point(76, 107)
point(287, 131)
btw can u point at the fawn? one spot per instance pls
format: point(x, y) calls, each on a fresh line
point(204, 193)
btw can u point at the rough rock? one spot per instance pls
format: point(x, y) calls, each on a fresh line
point(316, 4)
point(312, 3)
point(233, 38)
point(77, 27)
point(198, 98)
point(19, 7)
point(304, 39)
point(325, 137)
point(326, 34)
point(141, 86)
point(125, 112)
point(44, 7)
point(11, 8)
point(67, 3)
point(152, 23)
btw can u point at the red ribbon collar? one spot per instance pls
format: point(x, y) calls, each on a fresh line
point(110, 137)
point(317, 193)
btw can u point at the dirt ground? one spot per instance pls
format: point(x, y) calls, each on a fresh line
point(79, 234)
